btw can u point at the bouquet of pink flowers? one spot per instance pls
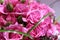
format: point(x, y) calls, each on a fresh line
point(27, 20)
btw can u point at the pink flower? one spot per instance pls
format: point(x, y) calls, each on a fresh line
point(17, 27)
point(11, 36)
point(11, 18)
point(13, 2)
point(53, 30)
point(1, 36)
point(21, 8)
point(26, 1)
point(31, 13)
point(14, 35)
point(2, 21)
point(37, 32)
point(34, 16)
point(36, 12)
point(1, 9)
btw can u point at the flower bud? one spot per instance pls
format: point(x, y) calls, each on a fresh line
point(9, 7)
point(1, 1)
point(22, 1)
point(20, 21)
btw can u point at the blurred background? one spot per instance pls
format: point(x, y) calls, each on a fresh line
point(55, 4)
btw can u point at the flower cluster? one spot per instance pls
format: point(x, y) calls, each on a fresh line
point(22, 15)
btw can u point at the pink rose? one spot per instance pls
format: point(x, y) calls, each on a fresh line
point(11, 18)
point(21, 8)
point(36, 12)
point(2, 21)
point(14, 35)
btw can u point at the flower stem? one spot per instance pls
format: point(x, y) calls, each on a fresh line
point(2, 30)
point(38, 22)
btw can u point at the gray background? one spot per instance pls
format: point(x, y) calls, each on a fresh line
point(55, 4)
